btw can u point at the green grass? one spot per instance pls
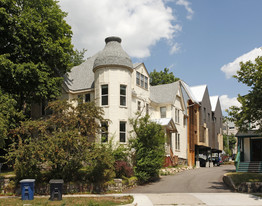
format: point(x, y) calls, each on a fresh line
point(68, 201)
point(239, 177)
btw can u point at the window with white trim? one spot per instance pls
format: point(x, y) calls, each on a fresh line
point(163, 112)
point(177, 115)
point(177, 139)
point(138, 78)
point(146, 82)
point(123, 95)
point(141, 80)
point(122, 131)
point(104, 94)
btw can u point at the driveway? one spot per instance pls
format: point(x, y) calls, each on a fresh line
point(201, 180)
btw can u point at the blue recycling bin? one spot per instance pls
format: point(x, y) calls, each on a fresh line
point(27, 189)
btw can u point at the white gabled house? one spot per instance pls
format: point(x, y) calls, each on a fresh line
point(121, 88)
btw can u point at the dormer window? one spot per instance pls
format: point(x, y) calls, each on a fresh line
point(141, 80)
point(146, 82)
point(137, 78)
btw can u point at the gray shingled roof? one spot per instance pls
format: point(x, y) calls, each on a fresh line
point(165, 93)
point(113, 54)
point(81, 77)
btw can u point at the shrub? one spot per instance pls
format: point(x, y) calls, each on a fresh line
point(123, 169)
point(148, 145)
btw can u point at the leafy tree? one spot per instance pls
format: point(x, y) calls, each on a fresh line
point(229, 143)
point(78, 57)
point(35, 50)
point(57, 145)
point(148, 145)
point(249, 114)
point(9, 116)
point(162, 77)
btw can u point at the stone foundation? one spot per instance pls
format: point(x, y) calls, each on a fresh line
point(8, 186)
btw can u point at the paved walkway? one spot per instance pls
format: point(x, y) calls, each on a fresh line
point(207, 199)
point(186, 199)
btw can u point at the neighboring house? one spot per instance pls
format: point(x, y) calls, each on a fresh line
point(167, 103)
point(249, 156)
point(209, 134)
point(203, 145)
point(217, 124)
point(193, 122)
point(121, 88)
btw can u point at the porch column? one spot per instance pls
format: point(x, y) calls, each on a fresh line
point(206, 153)
point(197, 157)
point(211, 161)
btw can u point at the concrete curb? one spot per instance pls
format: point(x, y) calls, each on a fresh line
point(229, 182)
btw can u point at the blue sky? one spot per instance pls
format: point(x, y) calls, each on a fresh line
point(194, 38)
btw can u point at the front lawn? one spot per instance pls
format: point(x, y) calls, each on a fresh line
point(68, 201)
point(239, 177)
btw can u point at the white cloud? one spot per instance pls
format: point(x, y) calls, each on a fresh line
point(140, 24)
point(175, 48)
point(227, 102)
point(186, 4)
point(231, 68)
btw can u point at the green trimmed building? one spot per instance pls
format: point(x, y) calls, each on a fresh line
point(249, 156)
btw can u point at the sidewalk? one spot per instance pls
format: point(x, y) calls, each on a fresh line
point(186, 199)
point(207, 199)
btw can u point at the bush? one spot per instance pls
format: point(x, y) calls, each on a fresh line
point(148, 145)
point(56, 145)
point(123, 169)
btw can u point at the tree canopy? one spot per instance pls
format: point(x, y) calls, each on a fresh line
point(57, 144)
point(249, 114)
point(35, 49)
point(162, 77)
point(9, 116)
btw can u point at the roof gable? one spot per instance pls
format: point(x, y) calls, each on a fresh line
point(213, 101)
point(164, 93)
point(198, 92)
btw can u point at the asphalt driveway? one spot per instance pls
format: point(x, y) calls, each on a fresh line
point(201, 180)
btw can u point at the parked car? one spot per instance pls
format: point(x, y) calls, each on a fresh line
point(216, 161)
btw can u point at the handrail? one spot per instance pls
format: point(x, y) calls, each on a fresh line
point(237, 161)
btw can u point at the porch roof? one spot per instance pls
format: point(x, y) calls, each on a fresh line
point(166, 122)
point(249, 133)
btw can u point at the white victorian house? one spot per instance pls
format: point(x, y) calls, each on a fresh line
point(121, 88)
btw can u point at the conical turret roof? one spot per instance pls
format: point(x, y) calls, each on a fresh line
point(113, 55)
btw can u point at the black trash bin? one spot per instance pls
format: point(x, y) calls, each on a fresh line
point(56, 189)
point(27, 189)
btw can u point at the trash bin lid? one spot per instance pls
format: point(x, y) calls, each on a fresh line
point(55, 181)
point(27, 180)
